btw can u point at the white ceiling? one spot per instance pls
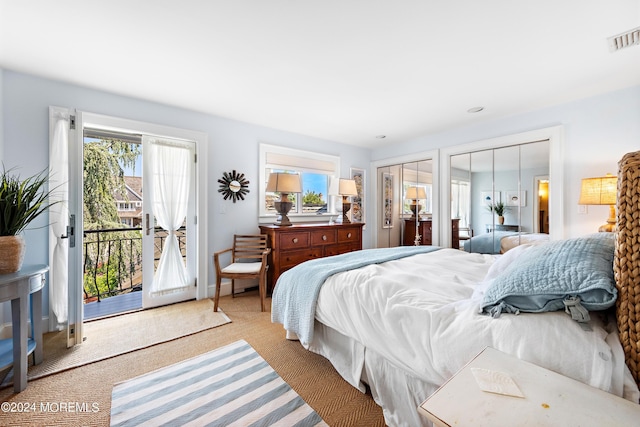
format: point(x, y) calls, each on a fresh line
point(343, 70)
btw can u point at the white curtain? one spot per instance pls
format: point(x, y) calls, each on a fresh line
point(59, 217)
point(171, 163)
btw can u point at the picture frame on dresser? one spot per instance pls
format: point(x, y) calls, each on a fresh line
point(358, 202)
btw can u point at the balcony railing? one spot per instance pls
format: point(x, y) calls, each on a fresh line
point(112, 260)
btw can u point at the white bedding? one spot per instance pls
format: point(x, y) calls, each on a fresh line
point(421, 315)
point(510, 242)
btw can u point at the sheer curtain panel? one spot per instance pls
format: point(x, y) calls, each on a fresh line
point(171, 163)
point(59, 218)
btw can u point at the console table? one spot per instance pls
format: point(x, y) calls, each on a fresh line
point(18, 288)
point(501, 227)
point(297, 243)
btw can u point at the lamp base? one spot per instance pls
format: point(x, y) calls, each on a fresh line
point(611, 224)
point(283, 209)
point(415, 209)
point(346, 206)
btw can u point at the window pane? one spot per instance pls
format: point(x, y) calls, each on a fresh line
point(315, 190)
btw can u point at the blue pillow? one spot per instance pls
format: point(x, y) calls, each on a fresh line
point(560, 274)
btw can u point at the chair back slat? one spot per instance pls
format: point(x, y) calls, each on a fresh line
point(249, 246)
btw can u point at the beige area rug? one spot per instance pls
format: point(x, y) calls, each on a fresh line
point(118, 335)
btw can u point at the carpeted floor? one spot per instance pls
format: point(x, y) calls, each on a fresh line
point(82, 395)
point(110, 337)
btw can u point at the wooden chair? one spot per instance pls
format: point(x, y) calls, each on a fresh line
point(248, 261)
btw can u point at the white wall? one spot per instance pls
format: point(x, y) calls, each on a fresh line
point(232, 145)
point(598, 132)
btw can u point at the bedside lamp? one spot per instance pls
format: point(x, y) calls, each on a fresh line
point(346, 188)
point(284, 183)
point(601, 191)
point(415, 193)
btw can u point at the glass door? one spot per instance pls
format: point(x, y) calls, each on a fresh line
point(168, 241)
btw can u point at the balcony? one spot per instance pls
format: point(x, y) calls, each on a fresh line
point(112, 268)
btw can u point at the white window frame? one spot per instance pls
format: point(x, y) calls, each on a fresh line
point(265, 149)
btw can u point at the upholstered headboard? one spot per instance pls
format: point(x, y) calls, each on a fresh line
point(627, 260)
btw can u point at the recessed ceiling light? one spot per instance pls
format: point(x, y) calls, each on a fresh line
point(381, 136)
point(475, 109)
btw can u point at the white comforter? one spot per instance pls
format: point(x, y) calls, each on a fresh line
point(421, 314)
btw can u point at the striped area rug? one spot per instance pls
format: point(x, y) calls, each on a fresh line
point(230, 386)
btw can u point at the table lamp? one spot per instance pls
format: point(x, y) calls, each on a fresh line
point(346, 188)
point(415, 194)
point(601, 191)
point(285, 184)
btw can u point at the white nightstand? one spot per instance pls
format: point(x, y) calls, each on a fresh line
point(550, 399)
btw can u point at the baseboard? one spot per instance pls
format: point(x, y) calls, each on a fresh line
point(225, 287)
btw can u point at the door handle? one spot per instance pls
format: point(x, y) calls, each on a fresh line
point(71, 232)
point(147, 227)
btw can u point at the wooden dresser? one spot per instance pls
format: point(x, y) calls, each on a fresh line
point(424, 229)
point(295, 244)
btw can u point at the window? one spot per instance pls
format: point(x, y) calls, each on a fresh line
point(316, 171)
point(460, 201)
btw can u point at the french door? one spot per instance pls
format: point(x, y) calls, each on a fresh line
point(182, 277)
point(169, 268)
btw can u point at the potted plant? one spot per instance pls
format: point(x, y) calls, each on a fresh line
point(499, 208)
point(21, 201)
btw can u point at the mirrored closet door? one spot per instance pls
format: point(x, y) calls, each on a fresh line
point(499, 195)
point(405, 204)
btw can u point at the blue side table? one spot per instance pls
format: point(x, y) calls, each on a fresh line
point(18, 288)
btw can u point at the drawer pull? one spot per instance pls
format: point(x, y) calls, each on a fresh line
point(324, 237)
point(295, 240)
point(348, 235)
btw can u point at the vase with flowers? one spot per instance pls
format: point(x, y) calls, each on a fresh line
point(499, 208)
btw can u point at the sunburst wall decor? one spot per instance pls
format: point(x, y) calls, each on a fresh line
point(233, 186)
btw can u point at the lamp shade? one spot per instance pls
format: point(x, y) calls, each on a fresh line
point(599, 191)
point(416, 193)
point(347, 187)
point(280, 182)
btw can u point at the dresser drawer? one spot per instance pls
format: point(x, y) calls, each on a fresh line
point(323, 237)
point(341, 248)
point(290, 258)
point(296, 240)
point(349, 235)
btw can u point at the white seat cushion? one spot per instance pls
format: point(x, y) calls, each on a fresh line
point(243, 267)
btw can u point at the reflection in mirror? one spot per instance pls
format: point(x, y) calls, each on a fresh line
point(461, 196)
point(500, 196)
point(234, 186)
point(406, 204)
point(417, 179)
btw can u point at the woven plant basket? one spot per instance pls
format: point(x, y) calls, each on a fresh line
point(12, 250)
point(627, 260)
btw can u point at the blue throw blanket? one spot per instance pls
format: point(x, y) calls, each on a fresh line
point(296, 293)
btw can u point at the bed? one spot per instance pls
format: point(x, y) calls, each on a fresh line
point(405, 323)
point(499, 242)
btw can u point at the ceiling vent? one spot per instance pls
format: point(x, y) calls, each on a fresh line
point(626, 39)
